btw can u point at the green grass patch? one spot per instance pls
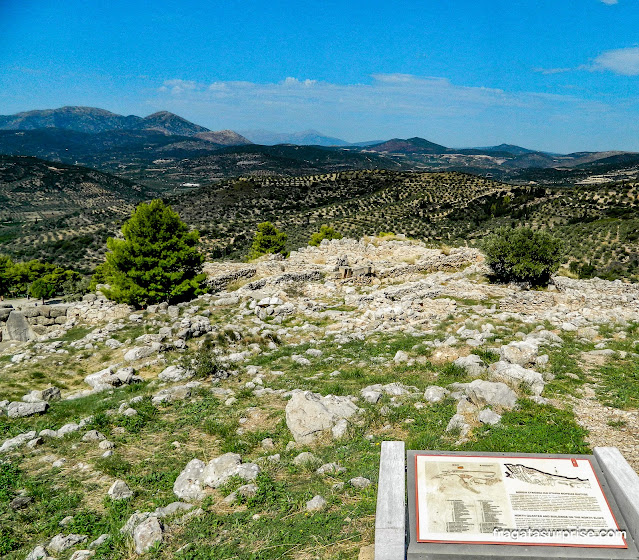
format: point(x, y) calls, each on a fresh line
point(534, 428)
point(619, 384)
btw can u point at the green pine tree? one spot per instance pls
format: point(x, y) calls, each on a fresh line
point(268, 239)
point(158, 259)
point(45, 287)
point(6, 264)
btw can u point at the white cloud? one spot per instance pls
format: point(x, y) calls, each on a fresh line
point(176, 87)
point(401, 105)
point(552, 70)
point(295, 82)
point(619, 61)
point(610, 2)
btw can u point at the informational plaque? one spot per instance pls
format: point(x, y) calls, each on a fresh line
point(512, 500)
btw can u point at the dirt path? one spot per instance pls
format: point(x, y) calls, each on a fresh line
point(595, 417)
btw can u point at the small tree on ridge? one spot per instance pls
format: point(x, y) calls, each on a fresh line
point(325, 232)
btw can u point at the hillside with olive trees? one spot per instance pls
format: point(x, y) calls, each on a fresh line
point(598, 223)
point(64, 213)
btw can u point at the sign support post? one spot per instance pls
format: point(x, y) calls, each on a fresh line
point(391, 518)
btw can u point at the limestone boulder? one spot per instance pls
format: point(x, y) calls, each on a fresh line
point(18, 328)
point(134, 520)
point(371, 395)
point(110, 377)
point(521, 353)
point(139, 353)
point(174, 373)
point(435, 394)
point(489, 417)
point(50, 394)
point(147, 534)
point(481, 393)
point(120, 491)
point(17, 441)
point(61, 542)
point(317, 503)
point(218, 471)
point(22, 409)
point(330, 468)
point(516, 375)
point(172, 509)
point(5, 312)
point(472, 364)
point(308, 414)
point(188, 485)
point(37, 553)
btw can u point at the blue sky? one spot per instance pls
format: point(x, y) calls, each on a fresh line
point(554, 75)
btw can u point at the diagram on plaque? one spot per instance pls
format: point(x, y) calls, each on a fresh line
point(512, 501)
point(535, 476)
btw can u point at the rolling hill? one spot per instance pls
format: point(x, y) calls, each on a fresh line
point(408, 146)
point(279, 160)
point(61, 212)
point(32, 188)
point(598, 225)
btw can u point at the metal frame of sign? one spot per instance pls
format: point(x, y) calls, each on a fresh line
point(577, 461)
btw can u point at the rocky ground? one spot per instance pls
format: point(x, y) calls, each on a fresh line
point(247, 423)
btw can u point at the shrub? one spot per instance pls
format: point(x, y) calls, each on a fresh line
point(325, 232)
point(157, 260)
point(268, 239)
point(206, 365)
point(39, 279)
point(6, 264)
point(523, 255)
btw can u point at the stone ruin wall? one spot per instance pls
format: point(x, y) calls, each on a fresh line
point(93, 309)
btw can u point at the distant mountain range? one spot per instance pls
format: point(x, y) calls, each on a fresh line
point(303, 138)
point(506, 148)
point(156, 150)
point(91, 120)
point(409, 146)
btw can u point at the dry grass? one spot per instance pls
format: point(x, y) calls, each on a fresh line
point(237, 284)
